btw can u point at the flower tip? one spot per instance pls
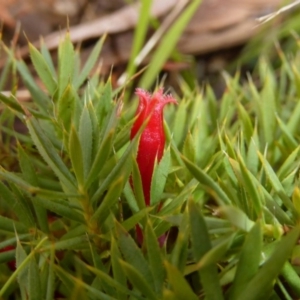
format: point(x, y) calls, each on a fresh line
point(142, 94)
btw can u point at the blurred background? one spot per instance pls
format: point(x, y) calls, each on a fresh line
point(216, 35)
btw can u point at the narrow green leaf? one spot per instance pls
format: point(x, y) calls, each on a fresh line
point(236, 217)
point(265, 277)
point(287, 136)
point(66, 107)
point(30, 176)
point(207, 182)
point(189, 148)
point(288, 165)
point(22, 274)
point(104, 105)
point(155, 258)
point(10, 225)
point(51, 276)
point(78, 242)
point(179, 124)
point(110, 199)
point(39, 97)
point(124, 164)
point(118, 273)
point(138, 280)
point(48, 58)
point(22, 265)
point(43, 70)
point(201, 244)
point(17, 205)
point(159, 177)
point(34, 284)
point(179, 254)
point(11, 103)
point(276, 184)
point(180, 287)
point(133, 254)
point(217, 253)
point(90, 63)
point(249, 261)
point(109, 281)
point(246, 122)
point(137, 185)
point(86, 138)
point(49, 153)
point(76, 156)
point(73, 283)
point(66, 59)
point(291, 277)
point(130, 198)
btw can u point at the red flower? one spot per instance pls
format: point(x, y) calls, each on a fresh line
point(152, 140)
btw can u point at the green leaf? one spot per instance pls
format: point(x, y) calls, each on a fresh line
point(75, 152)
point(137, 185)
point(189, 148)
point(39, 97)
point(138, 280)
point(79, 242)
point(288, 165)
point(49, 154)
point(104, 105)
point(66, 107)
point(10, 225)
point(130, 198)
point(16, 204)
point(217, 253)
point(47, 56)
point(90, 63)
point(180, 287)
point(248, 129)
point(201, 245)
point(276, 184)
point(101, 157)
point(34, 284)
point(110, 199)
point(12, 103)
point(207, 182)
point(43, 70)
point(86, 138)
point(22, 273)
point(249, 261)
point(159, 177)
point(30, 176)
point(133, 254)
point(66, 59)
point(179, 254)
point(123, 165)
point(73, 283)
point(118, 273)
point(287, 136)
point(236, 217)
point(292, 278)
point(265, 277)
point(155, 258)
point(22, 260)
point(179, 125)
point(51, 276)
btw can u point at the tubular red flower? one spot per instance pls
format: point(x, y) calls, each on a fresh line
point(152, 140)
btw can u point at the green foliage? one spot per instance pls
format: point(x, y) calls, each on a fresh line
point(224, 213)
